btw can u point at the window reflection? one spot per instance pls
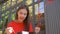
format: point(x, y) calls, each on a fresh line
point(3, 8)
point(7, 12)
point(8, 3)
point(36, 9)
point(2, 15)
point(30, 12)
point(13, 2)
point(18, 1)
point(13, 16)
point(28, 2)
point(6, 16)
point(30, 9)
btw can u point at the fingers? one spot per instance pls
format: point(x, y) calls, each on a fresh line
point(7, 31)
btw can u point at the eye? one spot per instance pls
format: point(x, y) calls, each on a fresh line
point(21, 13)
point(25, 14)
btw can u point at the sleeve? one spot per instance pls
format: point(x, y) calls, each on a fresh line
point(30, 28)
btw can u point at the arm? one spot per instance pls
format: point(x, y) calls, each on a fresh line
point(31, 29)
point(9, 28)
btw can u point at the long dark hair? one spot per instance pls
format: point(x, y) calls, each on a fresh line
point(26, 19)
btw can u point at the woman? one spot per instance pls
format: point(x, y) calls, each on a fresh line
point(21, 22)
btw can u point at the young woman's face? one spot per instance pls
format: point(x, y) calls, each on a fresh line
point(22, 13)
point(37, 29)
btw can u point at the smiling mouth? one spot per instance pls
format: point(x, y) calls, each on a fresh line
point(22, 18)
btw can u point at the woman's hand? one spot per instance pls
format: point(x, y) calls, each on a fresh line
point(7, 31)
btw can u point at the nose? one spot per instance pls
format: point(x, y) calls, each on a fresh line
point(22, 16)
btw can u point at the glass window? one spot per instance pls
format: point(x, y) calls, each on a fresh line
point(2, 15)
point(17, 7)
point(6, 16)
point(39, 10)
point(0, 7)
point(8, 3)
point(1, 22)
point(7, 12)
point(1, 26)
point(35, 0)
point(13, 17)
point(14, 9)
point(4, 4)
point(42, 7)
point(30, 12)
point(28, 2)
point(3, 8)
point(18, 1)
point(36, 9)
point(13, 2)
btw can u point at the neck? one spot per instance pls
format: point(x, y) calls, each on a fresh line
point(19, 20)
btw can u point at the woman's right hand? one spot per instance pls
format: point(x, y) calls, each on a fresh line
point(7, 31)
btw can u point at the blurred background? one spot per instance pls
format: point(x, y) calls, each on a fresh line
point(8, 9)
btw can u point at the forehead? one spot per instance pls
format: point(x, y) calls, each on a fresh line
point(23, 10)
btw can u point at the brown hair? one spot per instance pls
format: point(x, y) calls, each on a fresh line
point(41, 26)
point(38, 25)
point(26, 19)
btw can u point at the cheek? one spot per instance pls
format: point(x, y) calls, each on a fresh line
point(19, 15)
point(25, 16)
point(22, 17)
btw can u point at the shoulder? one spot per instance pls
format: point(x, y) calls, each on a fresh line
point(11, 23)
